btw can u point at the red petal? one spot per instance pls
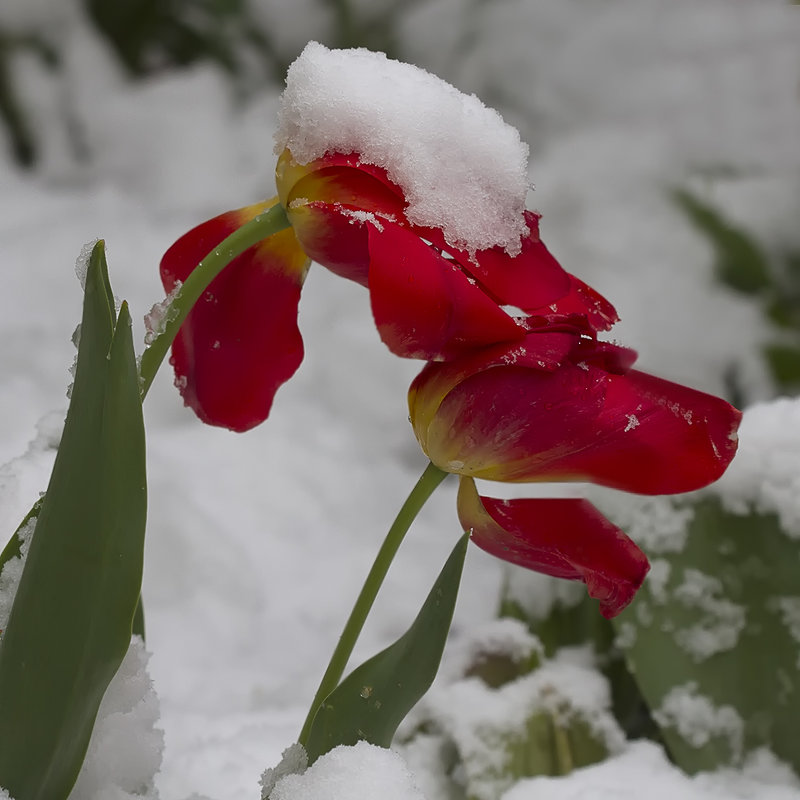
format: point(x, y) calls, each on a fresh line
point(327, 202)
point(544, 350)
point(289, 176)
point(240, 342)
point(632, 432)
point(656, 437)
point(566, 538)
point(514, 423)
point(424, 305)
point(529, 280)
point(581, 302)
point(333, 239)
point(609, 357)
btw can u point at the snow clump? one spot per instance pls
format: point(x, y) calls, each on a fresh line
point(461, 167)
point(360, 772)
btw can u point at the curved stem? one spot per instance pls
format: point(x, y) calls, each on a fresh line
point(424, 488)
point(252, 232)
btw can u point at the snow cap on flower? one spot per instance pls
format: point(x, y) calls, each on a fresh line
point(566, 537)
point(461, 168)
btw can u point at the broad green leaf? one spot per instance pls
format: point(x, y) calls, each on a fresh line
point(103, 309)
point(740, 262)
point(373, 700)
point(713, 639)
point(71, 621)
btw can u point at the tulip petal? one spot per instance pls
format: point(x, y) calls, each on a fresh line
point(356, 182)
point(241, 341)
point(529, 280)
point(424, 305)
point(580, 422)
point(513, 423)
point(656, 437)
point(329, 200)
point(564, 537)
point(544, 350)
point(332, 238)
point(582, 304)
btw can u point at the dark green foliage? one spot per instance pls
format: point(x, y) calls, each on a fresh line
point(70, 625)
point(374, 699)
point(723, 625)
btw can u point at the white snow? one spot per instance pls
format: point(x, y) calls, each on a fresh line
point(719, 621)
point(765, 474)
point(698, 720)
point(632, 774)
point(294, 761)
point(506, 638)
point(657, 579)
point(539, 596)
point(360, 772)
point(461, 168)
point(82, 263)
point(162, 312)
point(658, 524)
point(125, 750)
point(482, 722)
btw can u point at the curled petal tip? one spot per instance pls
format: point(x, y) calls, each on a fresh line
point(424, 305)
point(565, 538)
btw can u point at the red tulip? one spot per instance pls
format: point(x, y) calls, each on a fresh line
point(563, 407)
point(430, 300)
point(563, 537)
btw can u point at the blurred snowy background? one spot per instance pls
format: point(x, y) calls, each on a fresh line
point(665, 136)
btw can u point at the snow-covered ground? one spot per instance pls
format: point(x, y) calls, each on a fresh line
point(257, 544)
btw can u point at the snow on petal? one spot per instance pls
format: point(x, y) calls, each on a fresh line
point(462, 169)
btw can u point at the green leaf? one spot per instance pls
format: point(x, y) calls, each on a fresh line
point(784, 363)
point(740, 262)
point(373, 700)
point(714, 631)
point(71, 621)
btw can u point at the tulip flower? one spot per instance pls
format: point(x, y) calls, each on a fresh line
point(562, 406)
point(391, 178)
point(430, 300)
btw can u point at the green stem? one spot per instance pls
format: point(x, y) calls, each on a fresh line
point(424, 488)
point(257, 229)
